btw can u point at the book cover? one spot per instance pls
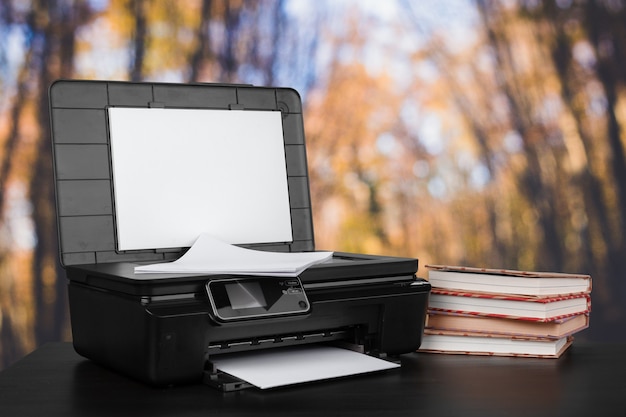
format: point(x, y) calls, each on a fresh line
point(505, 281)
point(509, 306)
point(554, 329)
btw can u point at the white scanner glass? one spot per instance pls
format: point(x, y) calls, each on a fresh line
point(178, 173)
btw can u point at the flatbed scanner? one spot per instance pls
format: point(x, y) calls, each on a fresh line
point(115, 214)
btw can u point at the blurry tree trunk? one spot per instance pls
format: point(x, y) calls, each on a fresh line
point(271, 34)
point(532, 185)
point(202, 53)
point(56, 56)
point(595, 205)
point(12, 139)
point(139, 36)
point(277, 25)
point(227, 57)
point(607, 33)
point(12, 338)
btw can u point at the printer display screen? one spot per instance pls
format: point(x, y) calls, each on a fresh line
point(245, 295)
point(242, 298)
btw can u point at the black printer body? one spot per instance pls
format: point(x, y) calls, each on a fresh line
point(164, 329)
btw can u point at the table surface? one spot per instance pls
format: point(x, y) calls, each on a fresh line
point(588, 380)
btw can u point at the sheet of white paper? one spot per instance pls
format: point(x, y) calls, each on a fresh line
point(181, 172)
point(212, 256)
point(279, 367)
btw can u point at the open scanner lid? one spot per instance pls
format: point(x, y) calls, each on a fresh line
point(99, 222)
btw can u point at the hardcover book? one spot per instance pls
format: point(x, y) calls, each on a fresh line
point(554, 329)
point(503, 281)
point(458, 343)
point(509, 306)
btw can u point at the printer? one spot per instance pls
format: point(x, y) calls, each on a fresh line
point(131, 190)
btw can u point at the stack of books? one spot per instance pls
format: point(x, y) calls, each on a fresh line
point(504, 312)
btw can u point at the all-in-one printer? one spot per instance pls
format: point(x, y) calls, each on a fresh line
point(118, 145)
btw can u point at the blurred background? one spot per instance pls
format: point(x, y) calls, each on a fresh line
point(486, 133)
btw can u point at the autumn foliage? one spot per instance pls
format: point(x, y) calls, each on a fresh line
point(490, 136)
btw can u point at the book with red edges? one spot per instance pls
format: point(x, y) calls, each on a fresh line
point(472, 344)
point(506, 281)
point(554, 329)
point(509, 306)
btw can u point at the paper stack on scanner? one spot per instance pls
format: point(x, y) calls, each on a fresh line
point(209, 255)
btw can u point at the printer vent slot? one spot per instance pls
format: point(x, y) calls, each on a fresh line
point(233, 346)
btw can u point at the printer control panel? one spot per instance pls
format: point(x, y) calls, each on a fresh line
point(244, 298)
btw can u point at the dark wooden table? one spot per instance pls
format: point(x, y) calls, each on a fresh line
point(589, 380)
